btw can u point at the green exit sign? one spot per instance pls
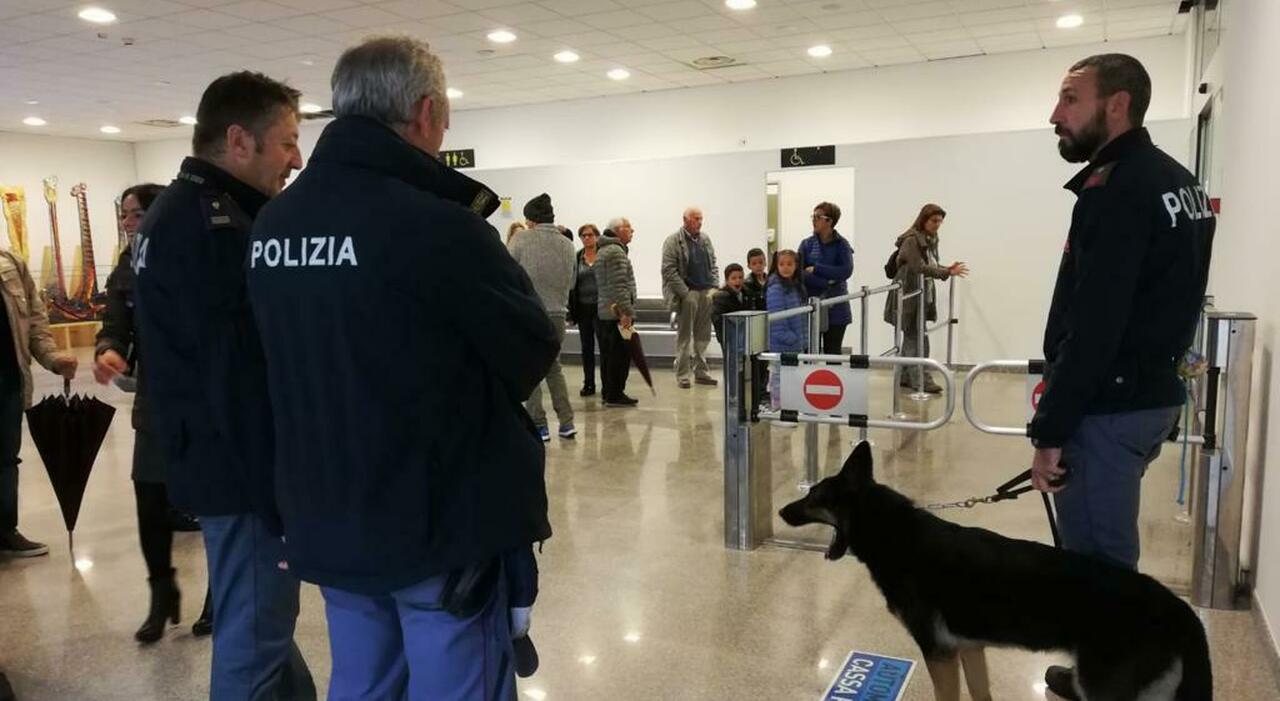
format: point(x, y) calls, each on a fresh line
point(462, 158)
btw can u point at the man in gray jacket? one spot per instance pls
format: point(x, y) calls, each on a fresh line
point(615, 307)
point(548, 258)
point(689, 280)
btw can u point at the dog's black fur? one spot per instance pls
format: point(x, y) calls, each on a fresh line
point(954, 586)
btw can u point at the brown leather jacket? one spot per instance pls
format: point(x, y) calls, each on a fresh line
point(28, 320)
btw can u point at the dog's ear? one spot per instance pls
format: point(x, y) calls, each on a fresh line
point(857, 468)
point(839, 546)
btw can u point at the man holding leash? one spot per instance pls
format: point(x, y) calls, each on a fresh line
point(1124, 312)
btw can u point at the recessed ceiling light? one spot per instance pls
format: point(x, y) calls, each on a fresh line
point(309, 108)
point(619, 74)
point(739, 4)
point(307, 62)
point(502, 36)
point(34, 122)
point(97, 15)
point(32, 102)
point(566, 56)
point(1070, 21)
point(453, 93)
point(820, 51)
point(187, 119)
point(108, 129)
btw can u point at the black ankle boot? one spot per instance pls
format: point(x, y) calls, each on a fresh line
point(166, 601)
point(204, 624)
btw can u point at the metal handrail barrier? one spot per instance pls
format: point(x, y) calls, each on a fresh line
point(1030, 367)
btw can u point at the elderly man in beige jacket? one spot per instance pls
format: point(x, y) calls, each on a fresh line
point(28, 324)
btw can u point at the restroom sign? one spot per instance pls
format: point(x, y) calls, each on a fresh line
point(824, 389)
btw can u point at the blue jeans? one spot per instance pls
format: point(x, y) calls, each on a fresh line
point(403, 647)
point(255, 609)
point(1106, 459)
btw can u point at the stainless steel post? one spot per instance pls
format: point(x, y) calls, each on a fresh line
point(1220, 570)
point(748, 479)
point(864, 342)
point(951, 319)
point(811, 472)
point(898, 339)
point(922, 303)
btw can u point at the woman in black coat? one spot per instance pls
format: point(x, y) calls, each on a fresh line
point(117, 355)
point(582, 305)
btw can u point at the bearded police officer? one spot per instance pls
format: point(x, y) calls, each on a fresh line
point(401, 339)
point(1124, 312)
point(205, 376)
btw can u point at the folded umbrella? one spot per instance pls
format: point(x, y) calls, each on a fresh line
point(68, 431)
point(632, 337)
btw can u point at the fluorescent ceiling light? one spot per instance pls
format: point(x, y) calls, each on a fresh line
point(739, 4)
point(820, 51)
point(108, 129)
point(566, 56)
point(501, 36)
point(97, 15)
point(1070, 21)
point(453, 93)
point(309, 108)
point(619, 74)
point(34, 122)
point(187, 119)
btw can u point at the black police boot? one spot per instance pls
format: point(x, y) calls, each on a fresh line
point(165, 604)
point(204, 624)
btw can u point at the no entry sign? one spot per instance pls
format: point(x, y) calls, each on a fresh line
point(824, 389)
point(1035, 390)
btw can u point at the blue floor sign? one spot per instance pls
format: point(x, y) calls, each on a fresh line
point(868, 677)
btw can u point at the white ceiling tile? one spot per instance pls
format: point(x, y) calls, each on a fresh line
point(645, 31)
point(943, 50)
point(1083, 35)
point(51, 23)
point(318, 5)
point(709, 23)
point(1011, 42)
point(483, 4)
point(315, 25)
point(928, 24)
point(670, 11)
point(1133, 34)
point(363, 17)
point(206, 19)
point(863, 33)
point(920, 10)
point(784, 68)
point(259, 10)
point(576, 8)
point(891, 57)
point(465, 22)
point(1013, 14)
point(261, 31)
point(1001, 28)
point(517, 14)
point(610, 20)
point(420, 9)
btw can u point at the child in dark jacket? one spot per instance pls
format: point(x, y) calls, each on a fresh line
point(786, 291)
point(728, 299)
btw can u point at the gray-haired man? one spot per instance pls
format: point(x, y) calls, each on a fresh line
point(689, 280)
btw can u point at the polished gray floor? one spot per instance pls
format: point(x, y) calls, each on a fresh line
point(640, 600)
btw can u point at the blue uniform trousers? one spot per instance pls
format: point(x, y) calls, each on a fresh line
point(1106, 458)
point(403, 647)
point(255, 608)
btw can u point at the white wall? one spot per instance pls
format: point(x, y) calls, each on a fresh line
point(105, 167)
point(799, 189)
point(1245, 244)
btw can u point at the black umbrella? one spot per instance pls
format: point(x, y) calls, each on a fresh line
point(632, 337)
point(68, 431)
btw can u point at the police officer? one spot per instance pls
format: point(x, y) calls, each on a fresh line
point(409, 476)
point(205, 376)
point(1124, 313)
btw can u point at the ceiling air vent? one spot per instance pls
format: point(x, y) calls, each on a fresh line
point(707, 63)
point(161, 123)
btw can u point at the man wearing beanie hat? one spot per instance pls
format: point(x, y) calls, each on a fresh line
point(548, 258)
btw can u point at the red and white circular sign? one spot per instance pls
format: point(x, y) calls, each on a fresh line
point(1036, 394)
point(823, 390)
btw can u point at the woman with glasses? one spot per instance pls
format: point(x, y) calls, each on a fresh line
point(826, 259)
point(582, 305)
point(117, 351)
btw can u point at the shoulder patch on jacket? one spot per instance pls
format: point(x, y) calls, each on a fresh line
point(1099, 176)
point(217, 211)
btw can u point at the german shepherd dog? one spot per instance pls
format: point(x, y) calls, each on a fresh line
point(959, 589)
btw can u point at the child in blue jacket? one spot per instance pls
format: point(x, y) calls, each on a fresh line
point(786, 290)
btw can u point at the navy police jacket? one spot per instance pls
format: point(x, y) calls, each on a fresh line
point(205, 373)
point(1129, 288)
point(401, 339)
